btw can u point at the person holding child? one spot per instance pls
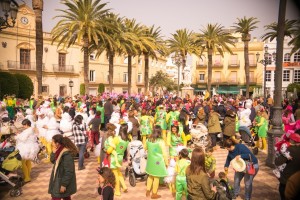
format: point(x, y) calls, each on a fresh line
point(180, 169)
point(107, 182)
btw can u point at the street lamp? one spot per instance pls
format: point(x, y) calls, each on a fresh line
point(71, 84)
point(266, 61)
point(176, 59)
point(9, 9)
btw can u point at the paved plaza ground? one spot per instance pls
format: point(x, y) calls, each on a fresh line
point(265, 184)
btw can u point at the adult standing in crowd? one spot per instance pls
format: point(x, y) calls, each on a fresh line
point(108, 110)
point(240, 151)
point(80, 139)
point(214, 127)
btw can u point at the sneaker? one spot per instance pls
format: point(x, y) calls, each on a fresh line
point(81, 168)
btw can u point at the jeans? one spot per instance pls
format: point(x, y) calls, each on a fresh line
point(106, 119)
point(248, 179)
point(81, 148)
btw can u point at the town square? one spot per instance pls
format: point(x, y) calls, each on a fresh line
point(124, 99)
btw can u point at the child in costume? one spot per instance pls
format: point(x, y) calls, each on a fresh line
point(210, 162)
point(107, 182)
point(120, 145)
point(262, 129)
point(156, 161)
point(146, 123)
point(41, 123)
point(175, 138)
point(109, 145)
point(172, 116)
point(180, 168)
point(288, 119)
point(160, 119)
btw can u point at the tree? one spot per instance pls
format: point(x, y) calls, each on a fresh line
point(160, 81)
point(214, 39)
point(289, 30)
point(25, 86)
point(182, 42)
point(9, 84)
point(296, 39)
point(245, 26)
point(101, 88)
point(82, 21)
point(37, 6)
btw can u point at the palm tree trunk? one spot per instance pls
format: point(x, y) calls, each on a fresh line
point(111, 70)
point(129, 73)
point(183, 66)
point(86, 64)
point(146, 79)
point(209, 66)
point(38, 10)
point(246, 40)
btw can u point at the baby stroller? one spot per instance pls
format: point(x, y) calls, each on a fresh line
point(249, 136)
point(137, 164)
point(199, 134)
point(10, 160)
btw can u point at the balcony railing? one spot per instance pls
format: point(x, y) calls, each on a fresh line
point(17, 65)
point(63, 68)
point(217, 64)
point(233, 63)
point(200, 64)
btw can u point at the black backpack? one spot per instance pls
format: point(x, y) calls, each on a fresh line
point(224, 191)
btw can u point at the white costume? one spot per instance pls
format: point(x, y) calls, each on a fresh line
point(27, 144)
point(65, 125)
point(52, 127)
point(244, 114)
point(115, 119)
point(41, 122)
point(30, 117)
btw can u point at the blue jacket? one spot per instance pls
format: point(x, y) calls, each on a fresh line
point(241, 150)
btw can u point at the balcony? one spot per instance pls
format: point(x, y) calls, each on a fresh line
point(217, 64)
point(200, 81)
point(16, 65)
point(63, 68)
point(234, 64)
point(201, 64)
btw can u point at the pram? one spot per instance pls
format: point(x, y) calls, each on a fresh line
point(10, 160)
point(199, 134)
point(249, 136)
point(137, 163)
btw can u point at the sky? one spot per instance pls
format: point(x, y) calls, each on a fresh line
point(171, 15)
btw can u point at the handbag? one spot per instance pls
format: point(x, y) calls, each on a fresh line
point(250, 167)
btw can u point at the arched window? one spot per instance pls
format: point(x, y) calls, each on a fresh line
point(297, 57)
point(287, 57)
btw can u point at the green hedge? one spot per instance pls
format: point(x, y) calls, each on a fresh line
point(101, 88)
point(8, 84)
point(25, 86)
point(82, 89)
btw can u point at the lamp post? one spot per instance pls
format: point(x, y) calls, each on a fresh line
point(266, 61)
point(9, 11)
point(176, 59)
point(71, 84)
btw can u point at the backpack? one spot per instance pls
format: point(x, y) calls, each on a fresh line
point(224, 191)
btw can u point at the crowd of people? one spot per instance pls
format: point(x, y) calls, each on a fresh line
point(107, 124)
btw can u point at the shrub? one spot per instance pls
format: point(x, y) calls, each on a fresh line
point(82, 89)
point(101, 88)
point(25, 86)
point(291, 86)
point(8, 84)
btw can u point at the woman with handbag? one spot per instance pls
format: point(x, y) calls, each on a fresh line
point(240, 153)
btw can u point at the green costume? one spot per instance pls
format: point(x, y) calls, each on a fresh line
point(31, 102)
point(262, 127)
point(120, 149)
point(160, 119)
point(172, 116)
point(210, 164)
point(174, 143)
point(181, 185)
point(237, 124)
point(146, 125)
point(101, 109)
point(156, 165)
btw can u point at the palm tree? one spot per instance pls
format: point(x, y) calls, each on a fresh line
point(214, 39)
point(152, 45)
point(37, 6)
point(296, 39)
point(82, 21)
point(245, 26)
point(289, 30)
point(183, 44)
point(110, 46)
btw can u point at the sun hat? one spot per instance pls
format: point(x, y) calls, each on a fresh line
point(238, 165)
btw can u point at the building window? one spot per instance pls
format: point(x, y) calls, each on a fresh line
point(140, 61)
point(125, 60)
point(287, 57)
point(233, 78)
point(252, 60)
point(24, 58)
point(61, 61)
point(297, 76)
point(217, 60)
point(234, 60)
point(297, 57)
point(92, 75)
point(201, 77)
point(268, 76)
point(139, 78)
point(286, 75)
point(125, 77)
point(45, 89)
point(62, 90)
point(269, 58)
point(92, 56)
point(217, 76)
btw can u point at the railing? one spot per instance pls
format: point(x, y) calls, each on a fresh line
point(17, 65)
point(217, 64)
point(63, 68)
point(234, 63)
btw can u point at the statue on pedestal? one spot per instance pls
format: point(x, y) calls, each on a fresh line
point(187, 76)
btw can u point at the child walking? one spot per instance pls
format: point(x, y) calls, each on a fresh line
point(106, 181)
point(180, 168)
point(210, 162)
